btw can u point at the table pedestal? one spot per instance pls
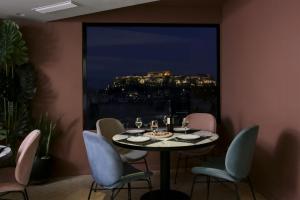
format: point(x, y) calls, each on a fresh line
point(160, 195)
point(165, 193)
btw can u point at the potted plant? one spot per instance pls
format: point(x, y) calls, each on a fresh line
point(41, 169)
point(17, 86)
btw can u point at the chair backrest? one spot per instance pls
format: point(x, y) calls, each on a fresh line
point(109, 127)
point(25, 157)
point(202, 121)
point(105, 163)
point(240, 153)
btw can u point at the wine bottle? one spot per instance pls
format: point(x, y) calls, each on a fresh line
point(170, 120)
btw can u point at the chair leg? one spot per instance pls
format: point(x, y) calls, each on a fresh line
point(129, 191)
point(208, 187)
point(193, 184)
point(251, 188)
point(112, 194)
point(3, 194)
point(186, 163)
point(91, 189)
point(237, 191)
point(146, 165)
point(149, 183)
point(177, 167)
point(95, 187)
point(147, 168)
point(26, 194)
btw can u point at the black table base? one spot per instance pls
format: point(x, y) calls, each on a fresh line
point(165, 193)
point(169, 195)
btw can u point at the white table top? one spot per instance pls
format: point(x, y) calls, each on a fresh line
point(165, 143)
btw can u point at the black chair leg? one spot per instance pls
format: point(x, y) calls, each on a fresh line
point(26, 194)
point(112, 195)
point(237, 191)
point(147, 168)
point(146, 165)
point(251, 188)
point(208, 187)
point(149, 183)
point(177, 167)
point(95, 187)
point(186, 163)
point(129, 191)
point(91, 189)
point(193, 184)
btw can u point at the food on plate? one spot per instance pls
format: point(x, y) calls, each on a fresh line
point(160, 134)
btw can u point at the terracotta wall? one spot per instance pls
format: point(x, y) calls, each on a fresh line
point(56, 50)
point(260, 85)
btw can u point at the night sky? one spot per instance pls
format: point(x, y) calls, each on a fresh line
point(135, 50)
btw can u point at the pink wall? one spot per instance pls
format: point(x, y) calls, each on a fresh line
point(56, 50)
point(260, 84)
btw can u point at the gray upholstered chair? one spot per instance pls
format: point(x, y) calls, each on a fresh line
point(108, 127)
point(236, 165)
point(107, 168)
point(16, 179)
point(200, 121)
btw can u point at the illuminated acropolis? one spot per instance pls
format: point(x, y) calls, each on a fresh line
point(165, 77)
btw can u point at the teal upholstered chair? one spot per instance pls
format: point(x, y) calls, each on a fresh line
point(107, 168)
point(237, 163)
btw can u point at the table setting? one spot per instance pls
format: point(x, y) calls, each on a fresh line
point(179, 136)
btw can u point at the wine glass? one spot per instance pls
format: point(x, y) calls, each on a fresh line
point(165, 120)
point(154, 125)
point(138, 122)
point(185, 123)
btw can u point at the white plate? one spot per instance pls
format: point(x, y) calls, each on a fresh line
point(181, 129)
point(188, 137)
point(120, 137)
point(138, 139)
point(204, 133)
point(133, 131)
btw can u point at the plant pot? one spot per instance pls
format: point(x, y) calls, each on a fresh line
point(41, 170)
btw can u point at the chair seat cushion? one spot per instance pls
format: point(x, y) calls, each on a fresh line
point(10, 187)
point(214, 172)
point(8, 182)
point(133, 156)
point(215, 167)
point(130, 174)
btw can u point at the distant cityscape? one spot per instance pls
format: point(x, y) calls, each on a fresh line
point(149, 96)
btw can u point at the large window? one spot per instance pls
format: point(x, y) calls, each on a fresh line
point(148, 70)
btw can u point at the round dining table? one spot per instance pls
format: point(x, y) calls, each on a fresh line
point(165, 146)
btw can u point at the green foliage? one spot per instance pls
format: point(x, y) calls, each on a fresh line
point(15, 122)
point(48, 130)
point(13, 49)
point(17, 85)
